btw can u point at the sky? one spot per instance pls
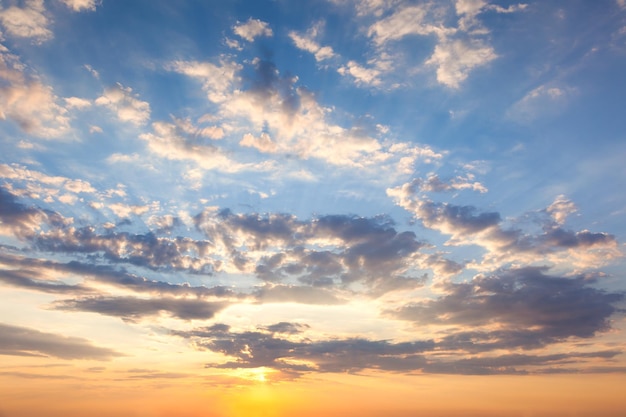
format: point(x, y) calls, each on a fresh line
point(348, 208)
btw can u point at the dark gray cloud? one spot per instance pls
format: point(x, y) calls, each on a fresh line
point(285, 347)
point(532, 308)
point(517, 363)
point(464, 219)
point(20, 220)
point(131, 308)
point(22, 279)
point(252, 349)
point(22, 341)
point(22, 270)
point(145, 250)
point(323, 252)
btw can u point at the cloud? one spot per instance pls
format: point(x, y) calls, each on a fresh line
point(362, 75)
point(22, 279)
point(20, 271)
point(286, 347)
point(296, 294)
point(169, 141)
point(328, 251)
point(466, 225)
point(77, 103)
point(307, 42)
point(434, 184)
point(133, 309)
point(22, 341)
point(262, 348)
point(28, 102)
point(217, 79)
point(146, 250)
point(21, 221)
point(80, 5)
point(29, 21)
point(252, 29)
point(125, 104)
point(406, 21)
point(516, 308)
point(273, 114)
point(543, 101)
point(456, 58)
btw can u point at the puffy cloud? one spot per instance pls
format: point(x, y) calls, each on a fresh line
point(146, 250)
point(274, 115)
point(169, 141)
point(23, 341)
point(362, 75)
point(307, 42)
point(77, 103)
point(434, 184)
point(332, 250)
point(38, 185)
point(285, 347)
point(29, 21)
point(125, 104)
point(456, 58)
point(553, 245)
point(80, 5)
point(263, 348)
point(18, 271)
point(515, 308)
point(20, 221)
point(411, 20)
point(217, 79)
point(28, 102)
point(560, 209)
point(252, 29)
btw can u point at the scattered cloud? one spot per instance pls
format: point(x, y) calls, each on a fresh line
point(252, 29)
point(29, 21)
point(80, 5)
point(25, 100)
point(455, 59)
point(125, 104)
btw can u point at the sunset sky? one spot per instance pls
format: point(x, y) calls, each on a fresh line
point(272, 208)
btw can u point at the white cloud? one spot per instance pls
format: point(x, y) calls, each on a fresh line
point(455, 59)
point(77, 103)
point(263, 143)
point(560, 209)
point(79, 5)
point(217, 79)
point(168, 141)
point(29, 21)
point(28, 102)
point(362, 75)
point(308, 43)
point(412, 20)
point(252, 29)
point(125, 104)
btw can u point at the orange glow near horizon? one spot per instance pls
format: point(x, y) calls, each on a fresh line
point(337, 395)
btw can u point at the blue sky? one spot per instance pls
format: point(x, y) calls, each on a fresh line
point(194, 172)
